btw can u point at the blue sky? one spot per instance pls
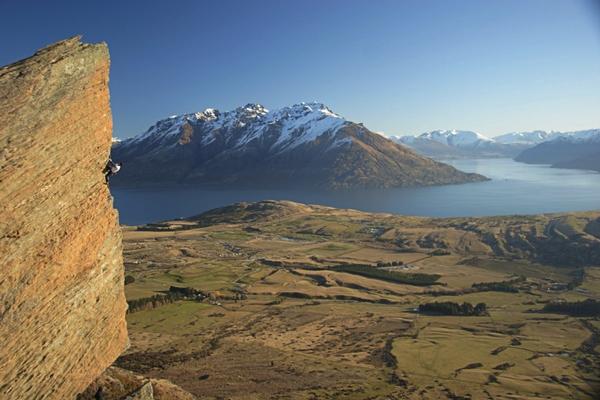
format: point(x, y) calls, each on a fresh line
point(400, 67)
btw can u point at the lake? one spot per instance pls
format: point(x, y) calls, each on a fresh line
point(515, 188)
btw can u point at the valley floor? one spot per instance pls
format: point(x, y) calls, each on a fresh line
point(279, 314)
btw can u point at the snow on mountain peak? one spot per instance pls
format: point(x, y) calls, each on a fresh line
point(304, 122)
point(536, 137)
point(251, 111)
point(299, 123)
point(591, 135)
point(532, 137)
point(455, 137)
point(301, 110)
point(207, 115)
point(505, 144)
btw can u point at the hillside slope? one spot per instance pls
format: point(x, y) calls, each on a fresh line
point(303, 145)
point(565, 152)
point(555, 239)
point(590, 161)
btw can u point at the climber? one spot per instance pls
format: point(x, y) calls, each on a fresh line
point(111, 169)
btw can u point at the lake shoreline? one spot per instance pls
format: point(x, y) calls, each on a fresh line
point(514, 189)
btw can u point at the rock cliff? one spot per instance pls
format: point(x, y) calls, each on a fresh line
point(62, 304)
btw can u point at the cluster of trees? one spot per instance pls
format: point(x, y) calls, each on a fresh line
point(288, 264)
point(585, 308)
point(417, 279)
point(505, 286)
point(175, 293)
point(381, 264)
point(451, 308)
point(187, 292)
point(148, 303)
point(163, 226)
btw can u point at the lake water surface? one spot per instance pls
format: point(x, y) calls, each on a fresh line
point(515, 188)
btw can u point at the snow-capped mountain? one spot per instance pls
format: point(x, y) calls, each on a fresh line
point(305, 144)
point(588, 135)
point(468, 144)
point(458, 144)
point(457, 138)
point(298, 124)
point(536, 137)
point(452, 137)
point(532, 137)
point(578, 150)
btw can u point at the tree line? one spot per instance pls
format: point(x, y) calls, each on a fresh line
point(174, 294)
point(451, 308)
point(503, 286)
point(410, 278)
point(585, 308)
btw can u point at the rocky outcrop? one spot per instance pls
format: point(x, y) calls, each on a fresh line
point(119, 384)
point(62, 304)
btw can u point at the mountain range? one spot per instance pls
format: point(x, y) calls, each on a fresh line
point(459, 144)
point(577, 149)
point(306, 144)
point(537, 137)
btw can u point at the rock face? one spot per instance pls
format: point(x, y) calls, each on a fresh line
point(62, 304)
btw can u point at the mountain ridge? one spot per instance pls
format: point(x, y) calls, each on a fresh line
point(458, 144)
point(466, 144)
point(573, 152)
point(306, 144)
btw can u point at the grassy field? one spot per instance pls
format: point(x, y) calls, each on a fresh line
point(281, 321)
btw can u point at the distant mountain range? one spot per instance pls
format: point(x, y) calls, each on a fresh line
point(306, 144)
point(537, 137)
point(578, 149)
point(459, 144)
point(529, 138)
